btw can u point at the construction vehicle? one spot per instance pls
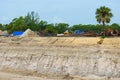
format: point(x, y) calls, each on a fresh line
point(67, 33)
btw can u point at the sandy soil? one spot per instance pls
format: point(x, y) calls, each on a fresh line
point(9, 76)
point(59, 43)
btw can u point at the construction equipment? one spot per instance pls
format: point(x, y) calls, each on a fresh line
point(67, 33)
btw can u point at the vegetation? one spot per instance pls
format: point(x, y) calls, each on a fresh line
point(103, 15)
point(33, 22)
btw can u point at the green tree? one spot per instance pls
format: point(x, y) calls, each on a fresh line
point(8, 27)
point(22, 23)
point(50, 28)
point(1, 27)
point(61, 27)
point(103, 15)
point(89, 27)
point(42, 25)
point(18, 24)
point(115, 26)
point(32, 21)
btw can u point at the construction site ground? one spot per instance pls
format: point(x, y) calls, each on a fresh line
point(58, 45)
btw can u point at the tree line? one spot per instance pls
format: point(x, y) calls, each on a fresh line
point(33, 22)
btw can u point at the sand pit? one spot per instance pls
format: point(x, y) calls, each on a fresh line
point(53, 58)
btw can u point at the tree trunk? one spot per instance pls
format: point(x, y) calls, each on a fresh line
point(103, 28)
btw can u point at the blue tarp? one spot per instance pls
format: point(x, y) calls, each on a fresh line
point(78, 31)
point(17, 33)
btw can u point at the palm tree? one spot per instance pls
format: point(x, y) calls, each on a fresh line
point(103, 15)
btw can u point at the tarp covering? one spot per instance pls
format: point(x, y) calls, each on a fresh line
point(17, 33)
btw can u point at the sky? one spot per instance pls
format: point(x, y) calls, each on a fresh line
point(58, 11)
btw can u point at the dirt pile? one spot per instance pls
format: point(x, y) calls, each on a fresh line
point(3, 32)
point(29, 33)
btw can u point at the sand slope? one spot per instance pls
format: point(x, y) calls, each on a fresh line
point(56, 57)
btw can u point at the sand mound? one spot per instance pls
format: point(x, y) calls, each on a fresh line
point(74, 41)
point(3, 32)
point(29, 33)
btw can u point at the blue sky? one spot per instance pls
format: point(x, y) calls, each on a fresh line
point(53, 11)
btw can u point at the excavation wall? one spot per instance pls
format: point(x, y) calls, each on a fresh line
point(81, 60)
